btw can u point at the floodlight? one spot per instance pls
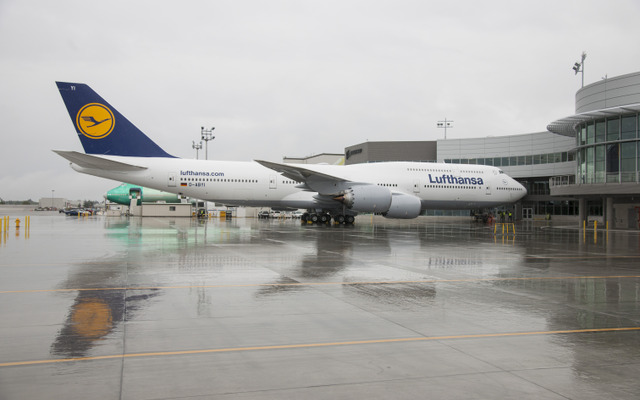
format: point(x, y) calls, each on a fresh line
point(445, 124)
point(579, 66)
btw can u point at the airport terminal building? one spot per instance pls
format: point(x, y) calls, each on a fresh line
point(605, 130)
point(586, 167)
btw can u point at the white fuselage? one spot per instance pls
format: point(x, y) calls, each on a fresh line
point(438, 186)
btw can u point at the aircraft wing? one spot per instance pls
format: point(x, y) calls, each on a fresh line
point(95, 162)
point(316, 181)
point(297, 173)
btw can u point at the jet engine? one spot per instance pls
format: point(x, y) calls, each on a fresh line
point(403, 206)
point(366, 198)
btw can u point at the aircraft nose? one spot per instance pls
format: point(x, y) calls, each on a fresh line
point(521, 186)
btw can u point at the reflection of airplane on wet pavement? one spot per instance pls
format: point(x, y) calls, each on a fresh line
point(179, 252)
point(93, 316)
point(116, 149)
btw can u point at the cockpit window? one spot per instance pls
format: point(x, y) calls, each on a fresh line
point(501, 171)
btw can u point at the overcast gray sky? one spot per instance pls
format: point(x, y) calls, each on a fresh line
point(293, 78)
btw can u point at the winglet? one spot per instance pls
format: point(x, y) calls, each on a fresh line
point(101, 128)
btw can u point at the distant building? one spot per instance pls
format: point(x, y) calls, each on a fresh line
point(391, 151)
point(322, 158)
point(57, 202)
point(532, 159)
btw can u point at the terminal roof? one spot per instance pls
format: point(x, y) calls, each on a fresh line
point(568, 126)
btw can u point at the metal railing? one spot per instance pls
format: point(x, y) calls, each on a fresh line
point(624, 177)
point(562, 180)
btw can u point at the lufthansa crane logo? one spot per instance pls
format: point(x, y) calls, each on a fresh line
point(95, 121)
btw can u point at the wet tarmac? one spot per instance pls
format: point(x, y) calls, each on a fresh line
point(158, 308)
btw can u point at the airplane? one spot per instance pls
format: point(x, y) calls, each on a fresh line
point(123, 194)
point(116, 149)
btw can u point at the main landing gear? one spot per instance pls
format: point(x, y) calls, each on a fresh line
point(325, 218)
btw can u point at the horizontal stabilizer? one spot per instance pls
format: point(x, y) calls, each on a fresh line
point(97, 162)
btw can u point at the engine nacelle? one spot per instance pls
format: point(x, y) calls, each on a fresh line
point(403, 206)
point(366, 198)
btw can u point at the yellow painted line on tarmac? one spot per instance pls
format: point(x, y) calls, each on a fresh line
point(316, 345)
point(470, 280)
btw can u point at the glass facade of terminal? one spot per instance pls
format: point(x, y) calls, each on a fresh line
point(608, 150)
point(512, 161)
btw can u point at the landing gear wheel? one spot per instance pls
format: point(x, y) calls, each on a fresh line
point(350, 219)
point(314, 218)
point(339, 219)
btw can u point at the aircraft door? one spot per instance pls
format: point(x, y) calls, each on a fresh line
point(135, 194)
point(456, 173)
point(273, 182)
point(489, 181)
point(416, 186)
point(171, 182)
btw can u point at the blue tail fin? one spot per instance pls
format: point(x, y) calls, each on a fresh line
point(101, 128)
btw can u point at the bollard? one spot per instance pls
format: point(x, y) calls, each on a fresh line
point(509, 226)
point(17, 223)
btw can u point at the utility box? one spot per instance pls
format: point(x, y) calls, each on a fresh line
point(166, 210)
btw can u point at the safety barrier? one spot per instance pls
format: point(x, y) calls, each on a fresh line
point(4, 226)
point(507, 225)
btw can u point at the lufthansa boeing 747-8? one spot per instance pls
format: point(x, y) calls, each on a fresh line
point(115, 149)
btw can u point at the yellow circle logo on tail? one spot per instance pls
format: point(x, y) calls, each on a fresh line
point(95, 121)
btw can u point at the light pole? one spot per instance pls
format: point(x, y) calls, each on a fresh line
point(197, 147)
point(579, 66)
point(206, 135)
point(52, 190)
point(445, 124)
